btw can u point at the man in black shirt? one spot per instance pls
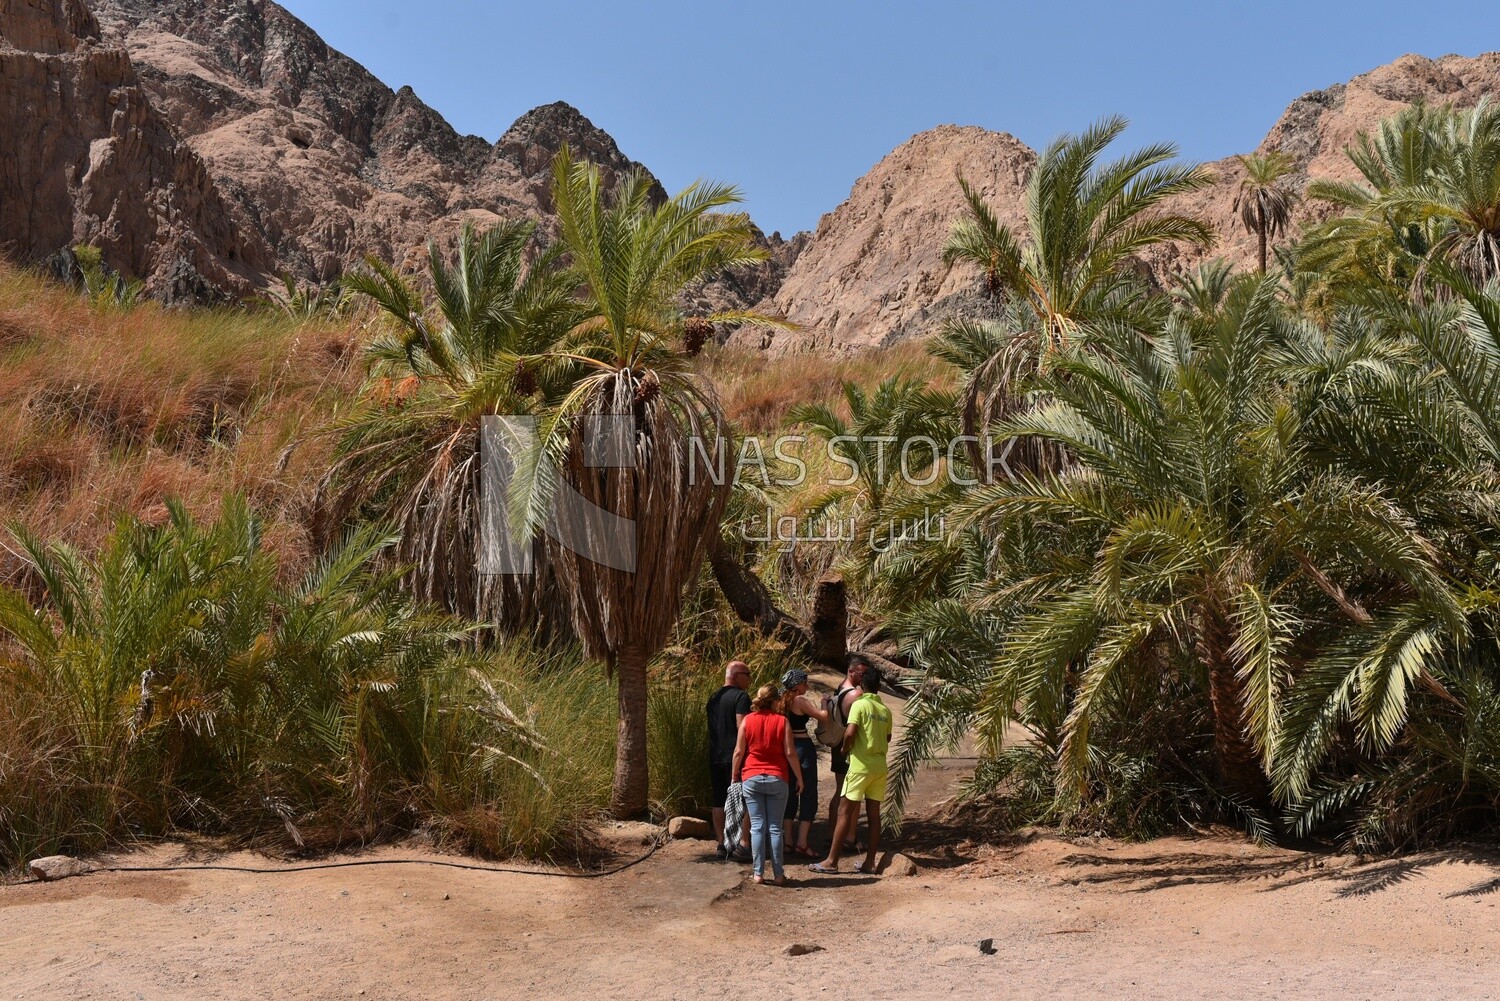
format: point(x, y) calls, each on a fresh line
point(727, 708)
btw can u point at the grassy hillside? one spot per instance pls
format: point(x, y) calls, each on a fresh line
point(110, 413)
point(113, 412)
point(130, 430)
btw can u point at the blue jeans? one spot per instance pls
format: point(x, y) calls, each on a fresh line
point(765, 798)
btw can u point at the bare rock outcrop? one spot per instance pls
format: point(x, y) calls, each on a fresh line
point(1315, 130)
point(90, 160)
point(269, 151)
point(328, 162)
point(873, 273)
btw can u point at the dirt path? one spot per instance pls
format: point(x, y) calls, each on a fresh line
point(1175, 919)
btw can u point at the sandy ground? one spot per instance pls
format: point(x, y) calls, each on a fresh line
point(1175, 918)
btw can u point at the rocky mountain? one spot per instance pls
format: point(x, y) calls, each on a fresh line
point(872, 274)
point(325, 161)
point(90, 159)
point(208, 145)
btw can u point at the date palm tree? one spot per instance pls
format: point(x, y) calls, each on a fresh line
point(409, 454)
point(1264, 201)
point(1085, 222)
point(1462, 195)
point(630, 257)
point(1431, 192)
point(1190, 534)
point(1412, 674)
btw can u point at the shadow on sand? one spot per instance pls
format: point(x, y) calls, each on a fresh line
point(1347, 877)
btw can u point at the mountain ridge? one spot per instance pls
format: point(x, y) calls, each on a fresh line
point(845, 303)
point(248, 147)
point(329, 163)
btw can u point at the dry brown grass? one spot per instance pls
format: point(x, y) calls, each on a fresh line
point(109, 413)
point(758, 389)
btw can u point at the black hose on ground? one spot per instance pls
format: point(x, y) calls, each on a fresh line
point(475, 867)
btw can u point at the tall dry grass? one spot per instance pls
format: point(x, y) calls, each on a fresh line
point(758, 390)
point(111, 412)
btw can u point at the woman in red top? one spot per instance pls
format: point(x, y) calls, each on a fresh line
point(766, 762)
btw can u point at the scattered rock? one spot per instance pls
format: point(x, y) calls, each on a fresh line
point(987, 946)
point(58, 867)
point(900, 865)
point(690, 829)
point(801, 949)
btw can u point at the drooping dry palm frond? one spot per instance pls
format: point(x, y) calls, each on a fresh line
point(410, 455)
point(634, 581)
point(413, 466)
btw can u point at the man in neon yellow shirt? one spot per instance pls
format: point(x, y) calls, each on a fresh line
point(865, 741)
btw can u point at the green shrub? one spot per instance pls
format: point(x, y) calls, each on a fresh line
point(103, 287)
point(171, 684)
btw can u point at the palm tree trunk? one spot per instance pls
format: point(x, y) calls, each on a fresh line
point(632, 785)
point(1239, 763)
point(751, 600)
point(1260, 231)
point(830, 623)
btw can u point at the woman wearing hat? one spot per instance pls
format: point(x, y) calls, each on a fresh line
point(799, 707)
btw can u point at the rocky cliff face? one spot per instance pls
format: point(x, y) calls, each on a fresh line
point(872, 272)
point(90, 160)
point(269, 151)
point(328, 163)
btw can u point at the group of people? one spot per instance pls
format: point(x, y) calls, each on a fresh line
point(763, 752)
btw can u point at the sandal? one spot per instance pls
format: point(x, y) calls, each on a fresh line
point(822, 870)
point(864, 870)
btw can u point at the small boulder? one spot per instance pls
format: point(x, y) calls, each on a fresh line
point(690, 829)
point(58, 867)
point(900, 865)
point(987, 946)
point(801, 949)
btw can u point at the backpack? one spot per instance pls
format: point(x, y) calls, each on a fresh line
point(831, 733)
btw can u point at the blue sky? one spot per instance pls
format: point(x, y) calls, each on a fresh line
point(793, 101)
